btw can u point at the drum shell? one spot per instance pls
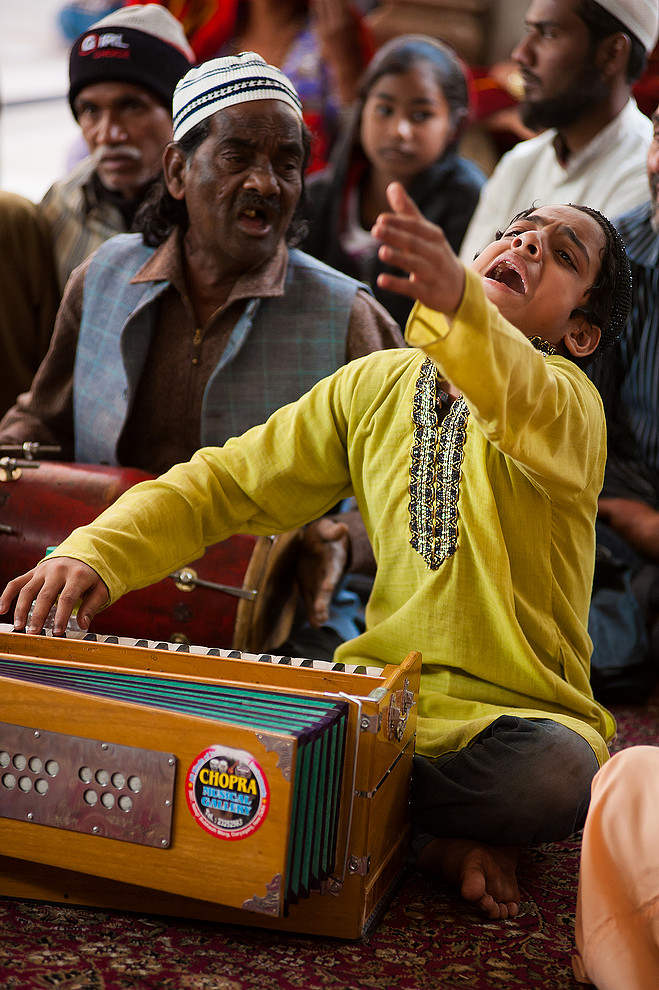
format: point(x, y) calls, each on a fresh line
point(42, 506)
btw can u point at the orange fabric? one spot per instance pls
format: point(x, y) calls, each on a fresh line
point(617, 922)
point(207, 23)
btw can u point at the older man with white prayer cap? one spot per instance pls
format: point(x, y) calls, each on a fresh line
point(208, 320)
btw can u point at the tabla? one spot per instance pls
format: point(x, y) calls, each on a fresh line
point(241, 594)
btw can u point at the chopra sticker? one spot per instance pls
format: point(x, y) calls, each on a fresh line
point(227, 792)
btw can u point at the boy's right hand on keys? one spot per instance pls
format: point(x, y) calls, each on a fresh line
point(65, 577)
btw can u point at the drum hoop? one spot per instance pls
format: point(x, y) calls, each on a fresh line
point(263, 624)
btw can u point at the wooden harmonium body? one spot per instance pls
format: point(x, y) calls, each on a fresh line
point(204, 783)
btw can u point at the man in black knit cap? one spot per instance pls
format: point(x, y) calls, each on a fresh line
point(122, 73)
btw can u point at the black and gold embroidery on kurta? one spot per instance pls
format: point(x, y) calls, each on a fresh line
point(435, 470)
point(436, 465)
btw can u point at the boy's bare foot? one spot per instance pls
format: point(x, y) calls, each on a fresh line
point(485, 874)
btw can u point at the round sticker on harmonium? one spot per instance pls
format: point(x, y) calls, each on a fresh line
point(227, 792)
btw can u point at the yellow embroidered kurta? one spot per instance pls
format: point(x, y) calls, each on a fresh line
point(500, 616)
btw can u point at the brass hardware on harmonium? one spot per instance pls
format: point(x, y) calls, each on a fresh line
point(204, 783)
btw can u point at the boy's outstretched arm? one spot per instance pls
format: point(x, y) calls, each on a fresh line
point(410, 242)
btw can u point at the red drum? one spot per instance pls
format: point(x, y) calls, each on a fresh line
point(42, 505)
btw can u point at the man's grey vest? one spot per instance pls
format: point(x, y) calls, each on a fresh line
point(277, 351)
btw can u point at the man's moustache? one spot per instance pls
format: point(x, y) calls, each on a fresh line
point(252, 201)
point(529, 77)
point(115, 151)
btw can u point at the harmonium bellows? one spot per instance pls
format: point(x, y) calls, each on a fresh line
point(241, 788)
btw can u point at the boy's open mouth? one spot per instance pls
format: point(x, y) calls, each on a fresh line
point(506, 273)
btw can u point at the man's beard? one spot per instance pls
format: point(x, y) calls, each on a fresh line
point(568, 107)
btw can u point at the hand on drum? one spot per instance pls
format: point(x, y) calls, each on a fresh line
point(323, 559)
point(65, 577)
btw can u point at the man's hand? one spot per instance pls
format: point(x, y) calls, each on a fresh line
point(333, 19)
point(636, 522)
point(70, 579)
point(323, 559)
point(410, 242)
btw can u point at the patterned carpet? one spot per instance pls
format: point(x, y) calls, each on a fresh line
point(427, 939)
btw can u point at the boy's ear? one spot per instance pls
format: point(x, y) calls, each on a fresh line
point(583, 337)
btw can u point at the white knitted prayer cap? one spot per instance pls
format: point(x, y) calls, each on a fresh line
point(641, 17)
point(224, 82)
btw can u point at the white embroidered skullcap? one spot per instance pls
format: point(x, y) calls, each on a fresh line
point(641, 17)
point(224, 82)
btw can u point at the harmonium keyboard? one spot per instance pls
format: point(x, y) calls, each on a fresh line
point(204, 783)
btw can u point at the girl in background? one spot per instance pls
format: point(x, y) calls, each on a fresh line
point(323, 46)
point(412, 107)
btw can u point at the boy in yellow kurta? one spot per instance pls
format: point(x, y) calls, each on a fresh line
point(476, 459)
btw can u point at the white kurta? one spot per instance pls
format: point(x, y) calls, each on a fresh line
point(609, 174)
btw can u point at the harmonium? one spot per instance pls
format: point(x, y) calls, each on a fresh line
point(204, 783)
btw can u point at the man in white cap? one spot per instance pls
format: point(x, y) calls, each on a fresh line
point(209, 320)
point(578, 61)
point(122, 73)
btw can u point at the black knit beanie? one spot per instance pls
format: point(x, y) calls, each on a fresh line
point(143, 45)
